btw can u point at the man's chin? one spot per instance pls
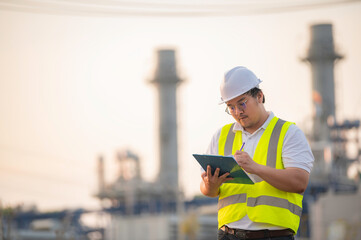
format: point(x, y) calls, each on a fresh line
point(243, 124)
point(243, 121)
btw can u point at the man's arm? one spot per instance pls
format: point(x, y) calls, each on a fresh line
point(210, 183)
point(290, 179)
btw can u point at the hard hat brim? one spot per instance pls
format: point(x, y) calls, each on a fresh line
point(237, 95)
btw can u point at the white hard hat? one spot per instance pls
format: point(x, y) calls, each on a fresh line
point(236, 82)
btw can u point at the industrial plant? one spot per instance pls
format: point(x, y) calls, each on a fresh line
point(159, 205)
point(332, 200)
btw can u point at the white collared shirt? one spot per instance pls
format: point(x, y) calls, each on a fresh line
point(296, 152)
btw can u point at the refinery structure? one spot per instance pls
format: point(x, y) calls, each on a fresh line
point(159, 209)
point(332, 200)
point(152, 205)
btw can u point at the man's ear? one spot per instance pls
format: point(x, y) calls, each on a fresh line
point(260, 97)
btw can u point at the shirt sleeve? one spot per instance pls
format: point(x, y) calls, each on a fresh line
point(213, 145)
point(296, 151)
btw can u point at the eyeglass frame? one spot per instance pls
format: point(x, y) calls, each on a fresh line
point(240, 106)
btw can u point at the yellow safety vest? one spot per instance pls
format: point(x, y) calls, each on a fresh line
point(261, 201)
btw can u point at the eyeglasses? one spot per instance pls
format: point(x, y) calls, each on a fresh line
point(241, 106)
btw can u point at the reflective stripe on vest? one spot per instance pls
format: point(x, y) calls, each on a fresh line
point(238, 198)
point(275, 202)
point(229, 141)
point(273, 143)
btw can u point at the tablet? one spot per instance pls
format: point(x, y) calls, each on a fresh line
point(225, 164)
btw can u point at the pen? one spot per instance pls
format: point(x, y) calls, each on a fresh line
point(242, 147)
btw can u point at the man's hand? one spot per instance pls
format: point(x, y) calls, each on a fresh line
point(246, 162)
point(288, 179)
point(210, 183)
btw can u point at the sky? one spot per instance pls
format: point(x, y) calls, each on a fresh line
point(74, 87)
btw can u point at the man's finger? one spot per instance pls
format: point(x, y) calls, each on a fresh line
point(216, 173)
point(209, 171)
point(224, 175)
point(227, 179)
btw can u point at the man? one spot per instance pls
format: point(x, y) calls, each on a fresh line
point(277, 155)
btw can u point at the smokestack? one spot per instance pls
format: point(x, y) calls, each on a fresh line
point(322, 56)
point(166, 82)
point(101, 180)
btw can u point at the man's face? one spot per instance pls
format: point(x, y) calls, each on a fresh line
point(246, 110)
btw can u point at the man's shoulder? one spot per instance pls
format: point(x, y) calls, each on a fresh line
point(295, 134)
point(292, 125)
point(292, 128)
point(227, 126)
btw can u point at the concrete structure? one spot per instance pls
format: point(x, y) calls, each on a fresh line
point(130, 194)
point(130, 190)
point(147, 227)
point(101, 177)
point(65, 225)
point(337, 217)
point(166, 81)
point(322, 56)
point(329, 140)
point(156, 206)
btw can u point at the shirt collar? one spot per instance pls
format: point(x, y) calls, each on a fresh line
point(238, 127)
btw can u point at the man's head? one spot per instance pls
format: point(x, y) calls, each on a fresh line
point(244, 99)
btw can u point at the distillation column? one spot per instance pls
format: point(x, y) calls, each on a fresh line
point(322, 56)
point(166, 82)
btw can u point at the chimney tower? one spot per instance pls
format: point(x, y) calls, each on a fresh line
point(322, 56)
point(166, 81)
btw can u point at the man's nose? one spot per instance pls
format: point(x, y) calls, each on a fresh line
point(239, 110)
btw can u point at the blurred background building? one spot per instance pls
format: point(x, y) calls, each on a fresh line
point(159, 208)
point(331, 139)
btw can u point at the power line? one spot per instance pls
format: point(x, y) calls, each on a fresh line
point(15, 150)
point(41, 176)
point(164, 8)
point(208, 5)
